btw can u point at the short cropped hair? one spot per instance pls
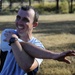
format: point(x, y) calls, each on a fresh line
point(36, 16)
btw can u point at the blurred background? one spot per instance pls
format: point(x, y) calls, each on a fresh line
point(43, 6)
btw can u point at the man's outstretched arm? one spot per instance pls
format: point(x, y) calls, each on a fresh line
point(37, 52)
point(26, 52)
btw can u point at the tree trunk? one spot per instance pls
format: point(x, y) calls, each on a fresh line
point(39, 1)
point(57, 6)
point(29, 2)
point(10, 6)
point(22, 2)
point(0, 5)
point(71, 6)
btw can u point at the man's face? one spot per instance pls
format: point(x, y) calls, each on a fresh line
point(24, 21)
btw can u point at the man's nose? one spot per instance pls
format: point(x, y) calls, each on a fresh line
point(20, 21)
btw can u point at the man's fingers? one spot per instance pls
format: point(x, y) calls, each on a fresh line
point(67, 61)
point(70, 53)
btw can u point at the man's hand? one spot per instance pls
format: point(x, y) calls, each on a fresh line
point(62, 56)
point(8, 35)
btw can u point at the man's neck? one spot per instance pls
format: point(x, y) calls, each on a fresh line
point(26, 38)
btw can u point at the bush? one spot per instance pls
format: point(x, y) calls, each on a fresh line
point(74, 7)
point(64, 7)
point(7, 11)
point(45, 9)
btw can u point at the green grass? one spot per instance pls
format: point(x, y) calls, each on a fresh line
point(57, 33)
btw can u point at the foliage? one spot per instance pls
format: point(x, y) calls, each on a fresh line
point(15, 0)
point(74, 7)
point(46, 8)
point(64, 7)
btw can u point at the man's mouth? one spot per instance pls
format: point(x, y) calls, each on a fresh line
point(20, 27)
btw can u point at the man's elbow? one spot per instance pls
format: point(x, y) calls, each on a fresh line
point(25, 68)
point(28, 68)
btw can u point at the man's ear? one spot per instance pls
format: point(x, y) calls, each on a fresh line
point(35, 24)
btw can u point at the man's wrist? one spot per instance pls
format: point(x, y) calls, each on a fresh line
point(12, 40)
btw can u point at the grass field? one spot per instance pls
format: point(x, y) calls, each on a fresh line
point(57, 33)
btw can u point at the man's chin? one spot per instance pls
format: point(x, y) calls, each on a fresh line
point(21, 34)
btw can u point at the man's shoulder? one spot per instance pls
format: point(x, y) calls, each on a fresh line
point(37, 42)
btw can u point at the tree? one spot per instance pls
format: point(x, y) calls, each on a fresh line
point(71, 11)
point(29, 2)
point(64, 7)
point(57, 6)
point(10, 6)
point(0, 5)
point(22, 2)
point(39, 1)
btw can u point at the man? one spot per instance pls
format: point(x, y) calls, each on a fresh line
point(22, 58)
point(26, 20)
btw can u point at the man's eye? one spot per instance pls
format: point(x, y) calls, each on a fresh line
point(18, 17)
point(25, 20)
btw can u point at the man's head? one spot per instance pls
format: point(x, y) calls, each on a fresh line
point(26, 20)
point(36, 15)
